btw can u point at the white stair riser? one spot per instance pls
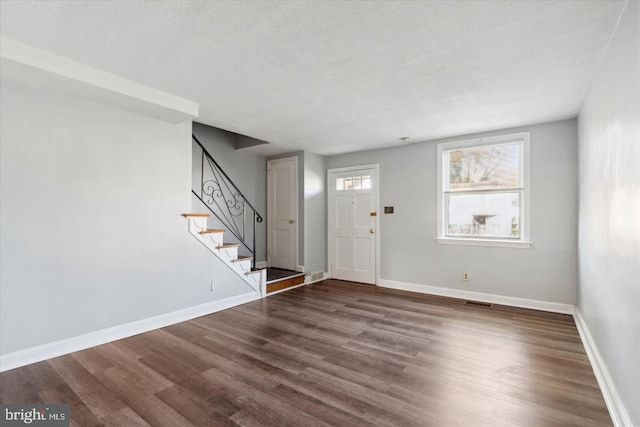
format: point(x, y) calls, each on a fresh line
point(215, 239)
point(197, 224)
point(259, 280)
point(242, 267)
point(228, 254)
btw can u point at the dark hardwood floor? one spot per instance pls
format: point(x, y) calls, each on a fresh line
point(333, 353)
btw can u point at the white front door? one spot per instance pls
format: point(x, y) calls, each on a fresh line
point(282, 210)
point(352, 223)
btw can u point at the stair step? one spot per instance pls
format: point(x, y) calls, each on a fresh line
point(293, 275)
point(228, 245)
point(253, 272)
point(285, 283)
point(201, 215)
point(212, 231)
point(242, 258)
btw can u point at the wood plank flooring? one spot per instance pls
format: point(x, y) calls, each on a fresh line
point(333, 353)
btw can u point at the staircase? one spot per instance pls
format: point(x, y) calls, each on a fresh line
point(223, 199)
point(227, 253)
point(231, 213)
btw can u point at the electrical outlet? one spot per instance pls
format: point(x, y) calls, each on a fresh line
point(465, 276)
point(214, 286)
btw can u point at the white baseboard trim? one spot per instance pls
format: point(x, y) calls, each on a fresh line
point(300, 268)
point(69, 345)
point(261, 264)
point(617, 410)
point(553, 307)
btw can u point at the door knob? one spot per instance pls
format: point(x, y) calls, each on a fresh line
point(372, 231)
point(291, 221)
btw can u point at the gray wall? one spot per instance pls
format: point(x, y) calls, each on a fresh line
point(92, 235)
point(409, 253)
point(247, 170)
point(315, 213)
point(609, 287)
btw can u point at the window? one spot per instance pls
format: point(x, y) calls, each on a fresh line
point(353, 183)
point(483, 196)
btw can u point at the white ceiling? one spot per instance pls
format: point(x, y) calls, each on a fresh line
point(333, 77)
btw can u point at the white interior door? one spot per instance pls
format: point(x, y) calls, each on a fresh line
point(352, 224)
point(282, 210)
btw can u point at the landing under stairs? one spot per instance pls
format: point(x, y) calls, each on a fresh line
point(279, 279)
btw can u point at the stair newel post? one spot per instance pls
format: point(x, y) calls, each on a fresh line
point(255, 219)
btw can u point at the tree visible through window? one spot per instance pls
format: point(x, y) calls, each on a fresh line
point(483, 188)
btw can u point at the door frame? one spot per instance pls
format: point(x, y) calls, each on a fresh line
point(270, 203)
point(376, 191)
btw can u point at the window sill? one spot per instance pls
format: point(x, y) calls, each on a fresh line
point(484, 242)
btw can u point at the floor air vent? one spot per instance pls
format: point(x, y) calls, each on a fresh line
point(479, 304)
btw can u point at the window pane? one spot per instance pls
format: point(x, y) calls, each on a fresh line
point(348, 184)
point(366, 182)
point(484, 215)
point(340, 184)
point(357, 182)
point(481, 168)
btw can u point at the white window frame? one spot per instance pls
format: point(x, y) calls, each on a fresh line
point(524, 240)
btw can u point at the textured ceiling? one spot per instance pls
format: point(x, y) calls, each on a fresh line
point(333, 77)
